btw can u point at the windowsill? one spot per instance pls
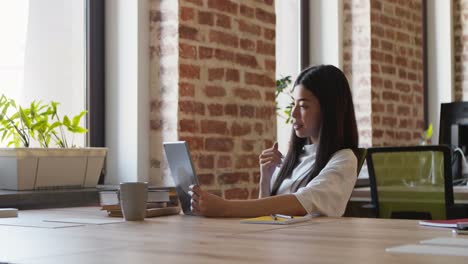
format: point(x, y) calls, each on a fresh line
point(49, 198)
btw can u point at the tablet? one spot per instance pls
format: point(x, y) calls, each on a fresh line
point(182, 171)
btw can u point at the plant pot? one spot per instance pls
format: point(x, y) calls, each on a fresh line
point(50, 168)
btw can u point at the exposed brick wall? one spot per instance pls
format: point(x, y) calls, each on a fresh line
point(226, 66)
point(388, 85)
point(164, 92)
point(397, 72)
point(460, 23)
point(356, 63)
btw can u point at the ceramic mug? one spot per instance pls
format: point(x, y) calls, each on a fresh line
point(133, 197)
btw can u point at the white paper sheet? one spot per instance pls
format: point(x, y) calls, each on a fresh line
point(430, 250)
point(34, 223)
point(447, 241)
point(92, 221)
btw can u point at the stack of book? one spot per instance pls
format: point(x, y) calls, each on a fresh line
point(452, 223)
point(161, 201)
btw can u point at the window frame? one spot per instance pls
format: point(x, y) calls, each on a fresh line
point(95, 75)
point(304, 34)
point(95, 72)
point(425, 64)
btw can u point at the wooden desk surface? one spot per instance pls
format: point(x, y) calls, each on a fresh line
point(186, 239)
point(362, 194)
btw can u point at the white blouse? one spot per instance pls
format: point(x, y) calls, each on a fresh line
point(329, 192)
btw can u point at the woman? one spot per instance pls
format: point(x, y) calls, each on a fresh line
point(318, 173)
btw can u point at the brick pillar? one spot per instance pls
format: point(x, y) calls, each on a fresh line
point(396, 68)
point(164, 90)
point(357, 63)
point(460, 22)
point(226, 113)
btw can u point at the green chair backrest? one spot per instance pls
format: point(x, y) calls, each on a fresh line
point(410, 182)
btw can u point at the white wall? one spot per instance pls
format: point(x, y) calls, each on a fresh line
point(440, 59)
point(127, 92)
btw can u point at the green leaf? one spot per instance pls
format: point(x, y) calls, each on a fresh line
point(5, 109)
point(47, 113)
point(281, 85)
point(54, 106)
point(41, 125)
point(66, 121)
point(15, 116)
point(428, 133)
point(13, 103)
point(32, 108)
point(54, 125)
point(5, 133)
point(77, 118)
point(79, 130)
point(48, 140)
point(24, 117)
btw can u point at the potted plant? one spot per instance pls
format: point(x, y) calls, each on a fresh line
point(38, 153)
point(281, 85)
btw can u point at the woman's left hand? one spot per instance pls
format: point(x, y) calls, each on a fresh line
point(206, 204)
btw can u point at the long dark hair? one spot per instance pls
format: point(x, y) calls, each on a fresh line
point(338, 128)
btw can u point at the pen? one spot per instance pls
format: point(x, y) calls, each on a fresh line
point(460, 232)
point(276, 216)
point(462, 225)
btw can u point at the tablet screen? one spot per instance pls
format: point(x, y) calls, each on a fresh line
point(182, 171)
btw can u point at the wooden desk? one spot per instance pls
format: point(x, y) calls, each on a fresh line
point(185, 239)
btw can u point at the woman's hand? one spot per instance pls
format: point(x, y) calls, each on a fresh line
point(206, 204)
point(269, 160)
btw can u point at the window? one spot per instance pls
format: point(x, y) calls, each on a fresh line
point(287, 58)
point(45, 52)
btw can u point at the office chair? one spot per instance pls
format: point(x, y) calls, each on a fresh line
point(362, 153)
point(361, 157)
point(412, 183)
